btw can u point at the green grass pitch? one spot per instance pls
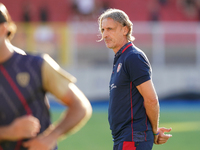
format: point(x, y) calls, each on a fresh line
point(95, 135)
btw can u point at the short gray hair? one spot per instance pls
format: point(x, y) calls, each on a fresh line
point(119, 16)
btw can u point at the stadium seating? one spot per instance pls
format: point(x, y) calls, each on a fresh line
point(61, 10)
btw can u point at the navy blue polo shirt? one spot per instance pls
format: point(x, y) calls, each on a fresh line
point(127, 116)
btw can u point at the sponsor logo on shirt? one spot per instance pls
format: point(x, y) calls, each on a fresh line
point(119, 67)
point(23, 79)
point(113, 86)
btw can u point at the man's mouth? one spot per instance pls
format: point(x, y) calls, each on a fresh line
point(107, 40)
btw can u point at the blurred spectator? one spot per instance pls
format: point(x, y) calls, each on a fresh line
point(83, 9)
point(102, 6)
point(26, 11)
point(188, 7)
point(45, 36)
point(154, 11)
point(163, 2)
point(44, 13)
point(45, 40)
point(198, 9)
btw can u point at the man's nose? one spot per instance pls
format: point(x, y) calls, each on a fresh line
point(104, 34)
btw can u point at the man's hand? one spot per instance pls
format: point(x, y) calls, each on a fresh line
point(162, 137)
point(41, 142)
point(24, 127)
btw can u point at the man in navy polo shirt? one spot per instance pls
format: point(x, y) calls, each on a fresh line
point(133, 106)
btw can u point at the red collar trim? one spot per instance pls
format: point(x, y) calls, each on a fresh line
point(127, 47)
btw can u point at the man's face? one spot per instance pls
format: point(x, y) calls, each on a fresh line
point(113, 33)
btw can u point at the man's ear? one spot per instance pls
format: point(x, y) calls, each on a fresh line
point(125, 30)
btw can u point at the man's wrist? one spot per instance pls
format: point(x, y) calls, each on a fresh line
point(156, 133)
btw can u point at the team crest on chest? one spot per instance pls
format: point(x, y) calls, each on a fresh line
point(23, 79)
point(119, 67)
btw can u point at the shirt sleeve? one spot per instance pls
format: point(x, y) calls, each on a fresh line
point(138, 68)
point(55, 79)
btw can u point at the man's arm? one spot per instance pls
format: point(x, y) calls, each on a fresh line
point(151, 104)
point(78, 112)
point(61, 84)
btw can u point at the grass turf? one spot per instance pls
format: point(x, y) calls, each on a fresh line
point(95, 135)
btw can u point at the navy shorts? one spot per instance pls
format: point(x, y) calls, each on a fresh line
point(129, 145)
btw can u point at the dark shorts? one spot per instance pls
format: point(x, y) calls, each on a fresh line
point(128, 145)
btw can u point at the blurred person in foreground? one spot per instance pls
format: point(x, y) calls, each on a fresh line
point(24, 112)
point(133, 105)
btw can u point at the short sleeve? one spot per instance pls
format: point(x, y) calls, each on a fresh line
point(138, 68)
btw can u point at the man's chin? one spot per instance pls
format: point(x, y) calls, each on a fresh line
point(109, 46)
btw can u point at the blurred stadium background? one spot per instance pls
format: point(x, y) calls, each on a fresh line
point(168, 31)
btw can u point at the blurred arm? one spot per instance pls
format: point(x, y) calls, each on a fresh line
point(60, 84)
